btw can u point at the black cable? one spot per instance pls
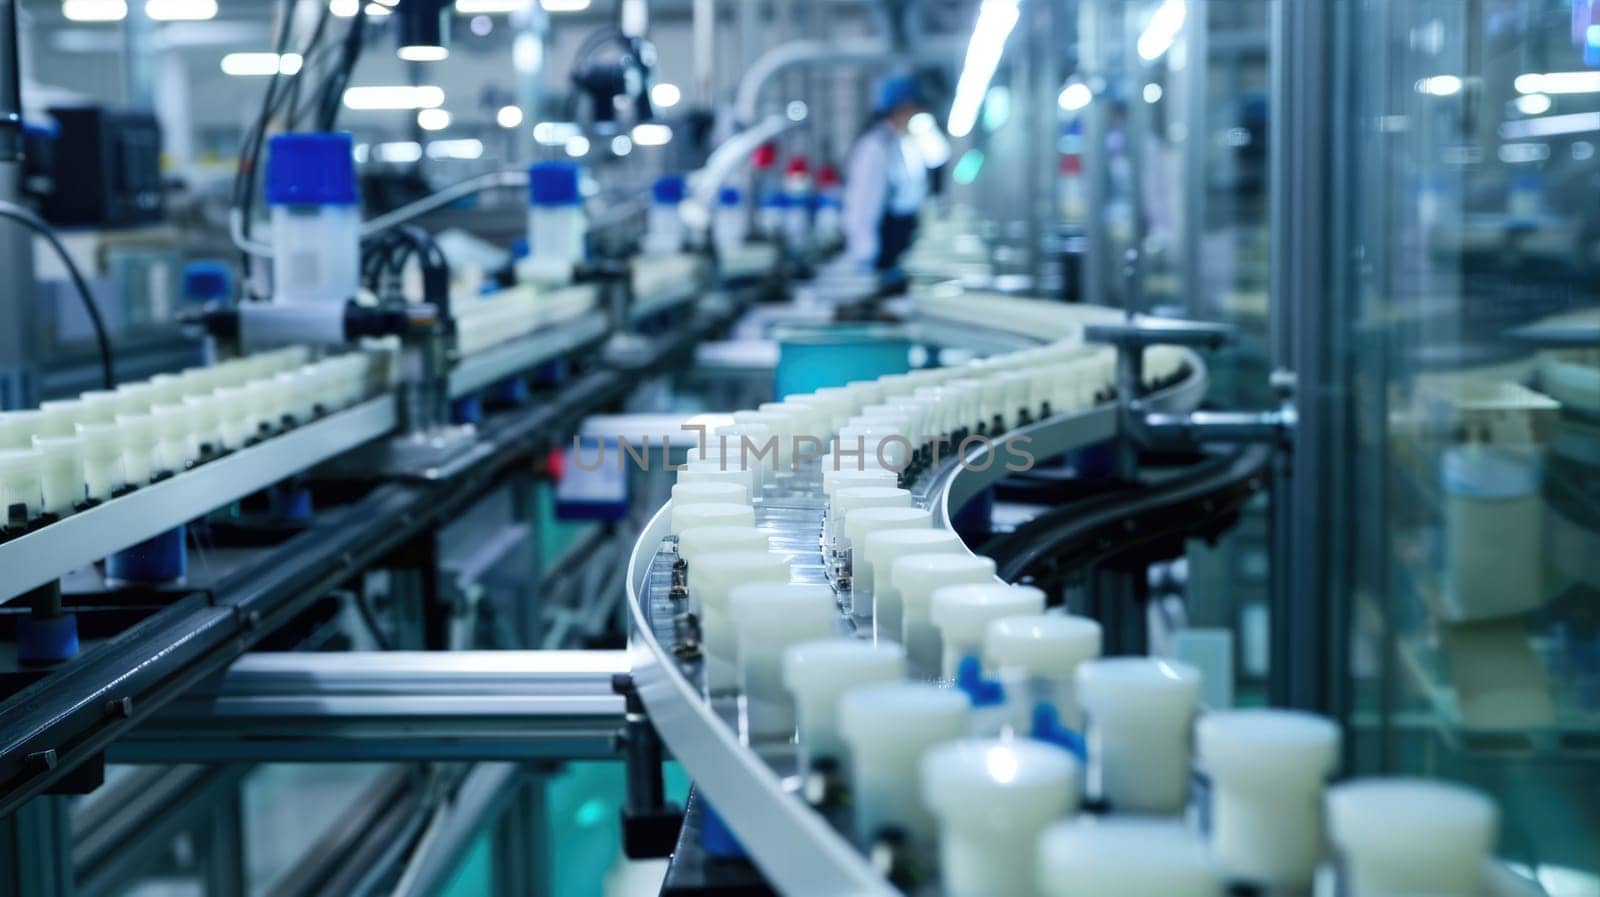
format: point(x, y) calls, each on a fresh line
point(28, 218)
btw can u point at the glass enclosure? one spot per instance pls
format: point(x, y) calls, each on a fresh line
point(1467, 229)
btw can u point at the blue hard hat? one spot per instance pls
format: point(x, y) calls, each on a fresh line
point(896, 91)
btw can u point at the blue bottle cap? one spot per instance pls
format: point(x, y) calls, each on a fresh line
point(983, 692)
point(775, 200)
point(730, 196)
point(312, 169)
point(553, 184)
point(207, 281)
point(670, 189)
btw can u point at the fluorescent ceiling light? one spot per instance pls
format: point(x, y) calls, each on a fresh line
point(564, 5)
point(433, 119)
point(247, 64)
point(508, 116)
point(1152, 93)
point(1550, 126)
point(345, 9)
point(1533, 104)
point(408, 151)
point(1075, 96)
point(394, 96)
point(996, 18)
point(665, 95)
point(651, 134)
point(423, 53)
point(1159, 35)
point(467, 148)
point(181, 10)
point(578, 146)
point(1439, 85)
point(621, 145)
point(1558, 82)
point(95, 10)
point(490, 7)
point(554, 133)
point(1522, 153)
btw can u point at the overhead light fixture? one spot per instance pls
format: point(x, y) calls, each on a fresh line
point(490, 7)
point(346, 9)
point(405, 151)
point(554, 133)
point(250, 64)
point(649, 134)
point(1533, 103)
point(797, 110)
point(466, 148)
point(996, 19)
point(564, 5)
point(1152, 92)
point(1550, 126)
point(1523, 153)
point(1558, 82)
point(394, 96)
point(621, 145)
point(1439, 85)
point(181, 10)
point(95, 10)
point(1162, 31)
point(665, 95)
point(433, 119)
point(424, 33)
point(508, 116)
point(578, 146)
point(996, 108)
point(1075, 96)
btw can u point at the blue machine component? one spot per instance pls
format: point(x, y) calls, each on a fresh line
point(207, 280)
point(983, 692)
point(311, 169)
point(159, 559)
point(47, 639)
point(1047, 727)
point(811, 358)
point(510, 391)
point(716, 839)
point(467, 411)
point(592, 484)
point(730, 197)
point(292, 503)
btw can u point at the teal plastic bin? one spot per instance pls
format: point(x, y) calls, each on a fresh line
point(812, 357)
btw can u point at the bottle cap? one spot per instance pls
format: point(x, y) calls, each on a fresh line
point(553, 184)
point(669, 189)
point(311, 169)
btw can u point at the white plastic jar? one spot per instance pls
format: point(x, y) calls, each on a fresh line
point(176, 445)
point(1045, 650)
point(716, 472)
point(852, 478)
point(962, 614)
point(1411, 836)
point(876, 561)
point(16, 429)
point(1268, 771)
point(730, 224)
point(888, 728)
point(706, 493)
point(1492, 498)
point(205, 422)
point(1138, 715)
point(852, 498)
point(238, 418)
point(686, 517)
point(863, 523)
point(993, 798)
point(21, 473)
point(100, 448)
point(58, 418)
point(316, 220)
point(700, 541)
point(139, 439)
point(767, 619)
point(916, 577)
point(61, 473)
point(1124, 857)
point(817, 673)
point(664, 231)
point(711, 580)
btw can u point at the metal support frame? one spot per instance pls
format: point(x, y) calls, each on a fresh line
point(36, 850)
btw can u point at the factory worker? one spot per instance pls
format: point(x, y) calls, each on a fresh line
point(886, 181)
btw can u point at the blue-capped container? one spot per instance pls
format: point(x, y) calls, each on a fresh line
point(664, 231)
point(730, 226)
point(316, 217)
point(556, 223)
point(1493, 531)
point(771, 212)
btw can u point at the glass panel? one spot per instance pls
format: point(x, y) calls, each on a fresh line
point(1476, 627)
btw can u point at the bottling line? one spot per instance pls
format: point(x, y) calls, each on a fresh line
point(980, 448)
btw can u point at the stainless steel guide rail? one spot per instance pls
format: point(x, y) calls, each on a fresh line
point(755, 787)
point(51, 552)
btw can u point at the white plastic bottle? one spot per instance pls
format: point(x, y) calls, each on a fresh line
point(962, 614)
point(1411, 836)
point(730, 225)
point(1045, 649)
point(711, 581)
point(1268, 771)
point(1125, 857)
point(664, 232)
point(888, 729)
point(916, 577)
point(767, 619)
point(556, 221)
point(993, 798)
point(316, 218)
point(817, 673)
point(1138, 713)
point(877, 559)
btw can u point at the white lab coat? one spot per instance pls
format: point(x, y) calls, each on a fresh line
point(885, 175)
